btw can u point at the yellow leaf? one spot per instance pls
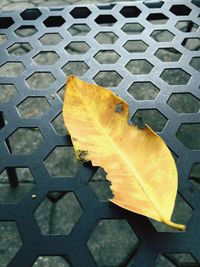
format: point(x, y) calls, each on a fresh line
point(139, 165)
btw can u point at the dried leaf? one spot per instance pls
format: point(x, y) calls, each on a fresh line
point(137, 161)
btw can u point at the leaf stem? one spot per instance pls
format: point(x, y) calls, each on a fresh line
point(177, 226)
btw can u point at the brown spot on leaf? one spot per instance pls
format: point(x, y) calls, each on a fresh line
point(81, 154)
point(119, 107)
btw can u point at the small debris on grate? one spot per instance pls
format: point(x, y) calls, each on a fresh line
point(34, 196)
point(52, 96)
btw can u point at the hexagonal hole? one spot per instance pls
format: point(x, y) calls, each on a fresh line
point(196, 3)
point(139, 66)
point(10, 242)
point(3, 39)
point(46, 58)
point(40, 80)
point(175, 76)
point(187, 26)
point(33, 107)
point(157, 18)
point(54, 21)
point(78, 68)
point(195, 63)
point(150, 4)
point(80, 12)
point(183, 259)
point(152, 117)
point(135, 46)
point(62, 162)
point(14, 194)
point(164, 261)
point(105, 6)
point(181, 214)
point(108, 78)
point(101, 186)
point(49, 261)
point(105, 20)
point(180, 10)
point(77, 48)
point(179, 259)
point(111, 242)
point(19, 49)
point(189, 135)
point(143, 90)
point(162, 36)
point(61, 92)
point(11, 69)
point(132, 28)
point(107, 57)
point(79, 29)
point(192, 44)
point(168, 54)
point(130, 11)
point(195, 175)
point(50, 39)
point(58, 125)
point(31, 14)
point(184, 103)
point(6, 22)
point(26, 31)
point(106, 37)
point(58, 213)
point(24, 141)
point(7, 92)
point(3, 121)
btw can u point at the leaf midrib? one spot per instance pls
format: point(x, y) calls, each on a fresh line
point(101, 129)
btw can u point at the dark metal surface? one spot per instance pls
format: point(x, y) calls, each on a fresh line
point(74, 246)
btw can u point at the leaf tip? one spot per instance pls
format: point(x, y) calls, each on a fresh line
point(180, 227)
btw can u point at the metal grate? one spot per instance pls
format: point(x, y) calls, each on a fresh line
point(147, 53)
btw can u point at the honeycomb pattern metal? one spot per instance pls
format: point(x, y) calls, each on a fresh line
point(119, 75)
